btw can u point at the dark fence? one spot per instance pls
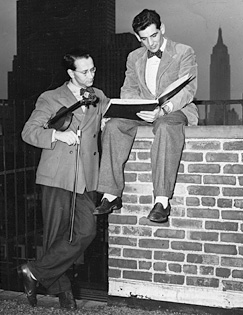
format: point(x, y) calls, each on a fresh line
point(20, 211)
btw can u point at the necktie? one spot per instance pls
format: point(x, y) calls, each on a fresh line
point(158, 54)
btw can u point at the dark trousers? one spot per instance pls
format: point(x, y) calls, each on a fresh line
point(59, 254)
point(117, 140)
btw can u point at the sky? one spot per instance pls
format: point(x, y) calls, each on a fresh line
point(192, 22)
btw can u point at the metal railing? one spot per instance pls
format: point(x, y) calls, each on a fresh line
point(20, 210)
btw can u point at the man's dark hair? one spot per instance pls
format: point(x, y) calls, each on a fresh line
point(70, 57)
point(144, 19)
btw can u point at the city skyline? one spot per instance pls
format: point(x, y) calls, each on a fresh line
point(198, 27)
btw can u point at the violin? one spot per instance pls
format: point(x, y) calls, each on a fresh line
point(63, 118)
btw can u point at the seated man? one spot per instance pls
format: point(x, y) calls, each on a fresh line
point(150, 69)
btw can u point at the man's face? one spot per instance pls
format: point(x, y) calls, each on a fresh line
point(83, 75)
point(151, 37)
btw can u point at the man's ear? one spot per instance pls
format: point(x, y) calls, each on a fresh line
point(162, 28)
point(138, 38)
point(70, 73)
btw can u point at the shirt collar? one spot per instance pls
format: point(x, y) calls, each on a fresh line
point(162, 48)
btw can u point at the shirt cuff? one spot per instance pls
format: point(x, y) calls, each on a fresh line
point(53, 139)
point(167, 107)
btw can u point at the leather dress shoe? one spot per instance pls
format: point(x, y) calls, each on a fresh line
point(107, 207)
point(67, 300)
point(29, 284)
point(159, 213)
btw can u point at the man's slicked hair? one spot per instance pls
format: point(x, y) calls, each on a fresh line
point(145, 19)
point(74, 54)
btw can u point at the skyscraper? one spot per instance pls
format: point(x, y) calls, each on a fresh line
point(219, 81)
point(47, 29)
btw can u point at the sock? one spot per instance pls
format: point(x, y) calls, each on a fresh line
point(163, 200)
point(109, 197)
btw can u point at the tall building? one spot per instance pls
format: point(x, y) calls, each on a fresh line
point(219, 81)
point(47, 29)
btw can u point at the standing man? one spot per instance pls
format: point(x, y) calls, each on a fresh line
point(150, 69)
point(69, 158)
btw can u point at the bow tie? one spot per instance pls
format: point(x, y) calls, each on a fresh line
point(157, 54)
point(88, 94)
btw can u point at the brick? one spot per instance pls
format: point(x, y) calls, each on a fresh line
point(203, 190)
point(114, 273)
point(174, 268)
point(122, 219)
point(232, 215)
point(203, 168)
point(202, 213)
point(187, 178)
point(221, 157)
point(220, 180)
point(145, 178)
point(123, 241)
point(129, 198)
point(231, 192)
point(130, 177)
point(206, 270)
point(240, 178)
point(233, 145)
point(137, 253)
point(177, 200)
point(192, 157)
point(138, 188)
point(238, 203)
point(177, 212)
point(114, 229)
point(240, 250)
point(143, 156)
point(146, 265)
point(137, 275)
point(145, 199)
point(203, 236)
point(192, 201)
point(202, 282)
point(170, 233)
point(233, 169)
point(187, 223)
point(138, 167)
point(224, 203)
point(231, 237)
point(137, 231)
point(142, 144)
point(160, 266)
point(181, 168)
point(232, 262)
point(170, 279)
point(237, 274)
point(190, 269)
point(208, 201)
point(132, 156)
point(202, 145)
point(190, 246)
point(232, 286)
point(223, 226)
point(122, 263)
point(203, 259)
point(152, 243)
point(169, 256)
point(223, 272)
point(220, 249)
point(114, 251)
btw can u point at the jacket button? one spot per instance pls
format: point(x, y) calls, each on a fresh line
point(94, 136)
point(94, 153)
point(71, 152)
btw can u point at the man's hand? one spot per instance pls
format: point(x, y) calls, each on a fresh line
point(68, 137)
point(150, 116)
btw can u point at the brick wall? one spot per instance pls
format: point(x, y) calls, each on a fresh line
point(197, 256)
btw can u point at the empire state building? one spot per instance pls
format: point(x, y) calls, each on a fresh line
point(219, 81)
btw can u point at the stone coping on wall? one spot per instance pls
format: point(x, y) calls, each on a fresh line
point(206, 132)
